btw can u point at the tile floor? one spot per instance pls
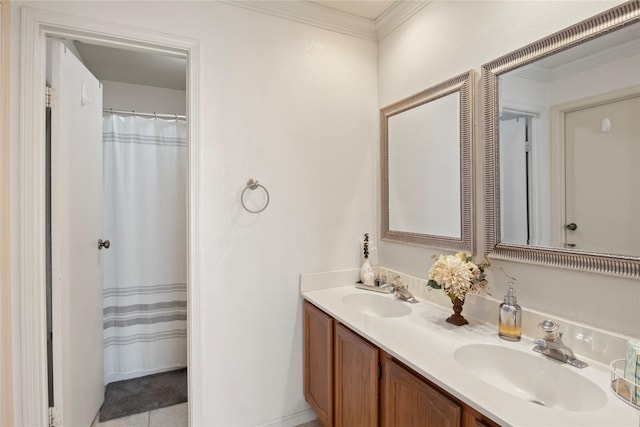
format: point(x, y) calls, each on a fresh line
point(171, 416)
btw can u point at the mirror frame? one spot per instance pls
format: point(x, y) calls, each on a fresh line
point(464, 84)
point(611, 20)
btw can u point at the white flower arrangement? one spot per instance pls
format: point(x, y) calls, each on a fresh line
point(457, 276)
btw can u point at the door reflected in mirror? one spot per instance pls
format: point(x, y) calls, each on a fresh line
point(562, 128)
point(426, 167)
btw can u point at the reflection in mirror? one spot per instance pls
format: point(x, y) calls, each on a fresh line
point(426, 167)
point(419, 134)
point(562, 130)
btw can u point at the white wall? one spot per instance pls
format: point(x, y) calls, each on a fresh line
point(446, 38)
point(295, 107)
point(145, 99)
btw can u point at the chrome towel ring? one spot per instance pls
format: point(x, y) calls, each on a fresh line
point(253, 184)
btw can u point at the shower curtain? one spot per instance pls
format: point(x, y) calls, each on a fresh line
point(145, 268)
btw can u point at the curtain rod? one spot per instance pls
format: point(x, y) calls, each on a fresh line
point(135, 113)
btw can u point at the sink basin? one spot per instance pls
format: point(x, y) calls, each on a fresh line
point(530, 377)
point(377, 305)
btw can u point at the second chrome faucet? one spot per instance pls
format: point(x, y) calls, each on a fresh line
point(551, 345)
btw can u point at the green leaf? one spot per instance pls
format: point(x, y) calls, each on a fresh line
point(434, 284)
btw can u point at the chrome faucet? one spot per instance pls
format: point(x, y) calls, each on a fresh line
point(401, 292)
point(551, 345)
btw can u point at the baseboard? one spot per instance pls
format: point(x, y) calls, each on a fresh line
point(292, 420)
point(108, 379)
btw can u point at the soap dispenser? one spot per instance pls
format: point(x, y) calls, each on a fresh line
point(510, 317)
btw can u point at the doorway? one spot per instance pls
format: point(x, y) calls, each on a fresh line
point(37, 27)
point(118, 309)
point(515, 177)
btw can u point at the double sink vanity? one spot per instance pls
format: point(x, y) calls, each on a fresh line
point(372, 359)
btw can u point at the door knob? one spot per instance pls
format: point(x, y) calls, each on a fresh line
point(572, 226)
point(104, 244)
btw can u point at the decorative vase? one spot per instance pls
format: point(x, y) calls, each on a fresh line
point(367, 276)
point(456, 318)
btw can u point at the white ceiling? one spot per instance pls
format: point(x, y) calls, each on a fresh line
point(169, 72)
point(127, 66)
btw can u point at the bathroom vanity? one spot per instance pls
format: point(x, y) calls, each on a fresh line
point(370, 359)
point(351, 382)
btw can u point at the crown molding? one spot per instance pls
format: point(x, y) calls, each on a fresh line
point(317, 15)
point(313, 14)
point(600, 58)
point(396, 15)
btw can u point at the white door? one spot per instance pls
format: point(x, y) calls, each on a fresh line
point(76, 226)
point(602, 178)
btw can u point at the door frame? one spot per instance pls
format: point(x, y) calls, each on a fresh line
point(6, 378)
point(36, 26)
point(557, 115)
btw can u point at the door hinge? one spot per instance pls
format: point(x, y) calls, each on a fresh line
point(53, 417)
point(48, 97)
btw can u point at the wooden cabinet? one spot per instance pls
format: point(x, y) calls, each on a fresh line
point(410, 401)
point(349, 382)
point(318, 362)
point(473, 418)
point(356, 380)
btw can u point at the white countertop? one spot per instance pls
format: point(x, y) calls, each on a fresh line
point(426, 343)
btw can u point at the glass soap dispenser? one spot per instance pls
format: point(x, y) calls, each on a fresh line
point(510, 317)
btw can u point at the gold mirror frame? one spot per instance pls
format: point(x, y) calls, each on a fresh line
point(464, 84)
point(611, 20)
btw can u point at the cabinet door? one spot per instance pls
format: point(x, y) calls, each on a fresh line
point(356, 380)
point(473, 418)
point(408, 401)
point(318, 366)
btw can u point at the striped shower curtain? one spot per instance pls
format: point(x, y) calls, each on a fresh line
point(145, 268)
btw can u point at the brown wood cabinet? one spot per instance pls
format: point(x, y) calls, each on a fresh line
point(473, 418)
point(356, 380)
point(410, 401)
point(318, 362)
point(349, 382)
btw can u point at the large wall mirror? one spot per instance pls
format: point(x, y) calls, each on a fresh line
point(562, 138)
point(426, 167)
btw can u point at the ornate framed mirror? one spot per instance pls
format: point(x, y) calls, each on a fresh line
point(426, 167)
point(562, 147)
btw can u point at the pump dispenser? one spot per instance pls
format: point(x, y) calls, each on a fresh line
point(510, 317)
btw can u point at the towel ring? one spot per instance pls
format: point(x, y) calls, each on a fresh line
point(253, 184)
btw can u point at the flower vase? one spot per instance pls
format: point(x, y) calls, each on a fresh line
point(456, 318)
